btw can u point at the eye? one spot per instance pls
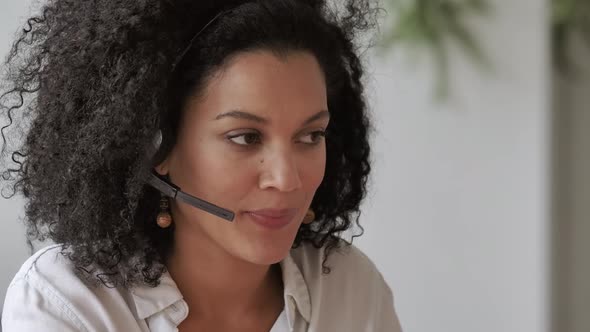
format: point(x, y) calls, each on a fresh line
point(314, 137)
point(245, 139)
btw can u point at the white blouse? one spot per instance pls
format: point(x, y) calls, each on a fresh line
point(46, 295)
point(282, 324)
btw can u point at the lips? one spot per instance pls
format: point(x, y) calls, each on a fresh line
point(272, 218)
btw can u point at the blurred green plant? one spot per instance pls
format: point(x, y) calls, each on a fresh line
point(570, 19)
point(432, 26)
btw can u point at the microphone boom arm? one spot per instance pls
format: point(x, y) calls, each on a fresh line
point(175, 192)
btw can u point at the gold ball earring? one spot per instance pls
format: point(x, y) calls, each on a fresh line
point(164, 218)
point(309, 217)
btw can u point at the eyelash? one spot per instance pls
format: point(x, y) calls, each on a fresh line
point(320, 134)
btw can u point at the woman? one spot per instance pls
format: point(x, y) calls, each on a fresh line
point(195, 163)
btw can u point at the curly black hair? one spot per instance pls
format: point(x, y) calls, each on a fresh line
point(91, 82)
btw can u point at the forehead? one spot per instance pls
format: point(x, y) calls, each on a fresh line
point(265, 83)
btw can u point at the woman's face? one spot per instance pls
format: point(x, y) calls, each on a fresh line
point(252, 143)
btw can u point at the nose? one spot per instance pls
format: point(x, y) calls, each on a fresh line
point(280, 171)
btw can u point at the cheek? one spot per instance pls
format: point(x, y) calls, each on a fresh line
point(312, 170)
point(211, 173)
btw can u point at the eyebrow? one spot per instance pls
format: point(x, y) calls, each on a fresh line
point(255, 118)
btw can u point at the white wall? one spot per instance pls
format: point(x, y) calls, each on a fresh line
point(459, 213)
point(13, 249)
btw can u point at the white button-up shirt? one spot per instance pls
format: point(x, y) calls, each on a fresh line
point(46, 295)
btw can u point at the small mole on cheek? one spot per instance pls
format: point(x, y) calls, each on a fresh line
point(262, 161)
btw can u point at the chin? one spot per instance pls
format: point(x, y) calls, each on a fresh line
point(268, 254)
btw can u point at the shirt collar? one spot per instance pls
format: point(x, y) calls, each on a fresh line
point(151, 300)
point(295, 290)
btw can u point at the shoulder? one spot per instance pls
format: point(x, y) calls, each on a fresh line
point(353, 296)
point(47, 289)
point(48, 262)
point(49, 269)
point(346, 262)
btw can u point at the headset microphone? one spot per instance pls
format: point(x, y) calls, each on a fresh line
point(173, 191)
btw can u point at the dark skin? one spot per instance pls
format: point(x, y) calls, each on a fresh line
point(255, 317)
point(272, 158)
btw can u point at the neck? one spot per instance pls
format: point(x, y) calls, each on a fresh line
point(216, 284)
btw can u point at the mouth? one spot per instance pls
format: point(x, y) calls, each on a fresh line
point(272, 218)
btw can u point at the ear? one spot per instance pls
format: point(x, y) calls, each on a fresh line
point(163, 168)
